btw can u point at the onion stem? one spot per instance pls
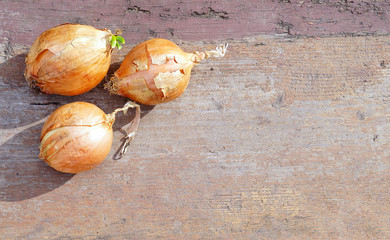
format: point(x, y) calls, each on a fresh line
point(129, 129)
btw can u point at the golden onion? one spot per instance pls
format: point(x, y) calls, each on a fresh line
point(70, 59)
point(78, 136)
point(156, 71)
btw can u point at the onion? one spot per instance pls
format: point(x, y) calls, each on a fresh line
point(70, 59)
point(78, 136)
point(156, 71)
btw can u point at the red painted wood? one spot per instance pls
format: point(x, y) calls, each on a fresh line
point(23, 21)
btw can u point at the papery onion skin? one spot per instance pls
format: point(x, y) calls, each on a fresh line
point(76, 137)
point(153, 72)
point(69, 59)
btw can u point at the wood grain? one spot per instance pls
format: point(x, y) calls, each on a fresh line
point(286, 137)
point(22, 21)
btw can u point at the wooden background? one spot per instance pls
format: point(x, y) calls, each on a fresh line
point(286, 137)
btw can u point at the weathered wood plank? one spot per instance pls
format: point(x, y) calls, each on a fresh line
point(22, 21)
point(286, 137)
point(281, 138)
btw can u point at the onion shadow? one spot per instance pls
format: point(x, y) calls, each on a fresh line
point(21, 105)
point(23, 175)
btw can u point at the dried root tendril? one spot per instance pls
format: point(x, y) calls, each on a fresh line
point(112, 85)
point(130, 129)
point(218, 52)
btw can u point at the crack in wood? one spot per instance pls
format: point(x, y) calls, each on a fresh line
point(152, 32)
point(138, 9)
point(44, 104)
point(285, 26)
point(211, 14)
point(375, 138)
point(358, 7)
point(360, 115)
point(170, 31)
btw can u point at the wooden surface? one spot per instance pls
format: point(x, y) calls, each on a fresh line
point(286, 137)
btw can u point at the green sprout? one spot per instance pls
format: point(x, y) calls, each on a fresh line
point(117, 41)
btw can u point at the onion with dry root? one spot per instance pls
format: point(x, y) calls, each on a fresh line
point(78, 136)
point(70, 59)
point(156, 71)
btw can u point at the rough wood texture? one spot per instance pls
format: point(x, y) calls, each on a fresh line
point(198, 19)
point(286, 137)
